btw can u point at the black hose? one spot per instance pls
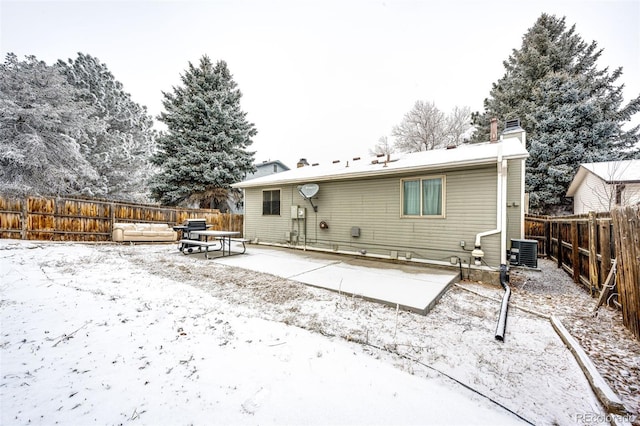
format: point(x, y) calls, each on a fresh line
point(502, 319)
point(417, 361)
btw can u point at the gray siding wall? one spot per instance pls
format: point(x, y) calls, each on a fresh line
point(515, 189)
point(374, 205)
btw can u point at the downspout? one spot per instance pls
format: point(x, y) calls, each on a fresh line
point(504, 276)
point(502, 319)
point(244, 213)
point(501, 226)
point(501, 216)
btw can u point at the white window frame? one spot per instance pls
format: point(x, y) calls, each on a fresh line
point(442, 214)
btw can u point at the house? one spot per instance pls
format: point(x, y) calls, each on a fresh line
point(236, 203)
point(599, 187)
point(267, 168)
point(441, 207)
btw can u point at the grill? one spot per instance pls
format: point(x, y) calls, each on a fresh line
point(191, 225)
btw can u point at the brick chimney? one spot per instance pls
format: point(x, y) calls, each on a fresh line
point(302, 162)
point(493, 130)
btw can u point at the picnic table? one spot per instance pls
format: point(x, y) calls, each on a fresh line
point(221, 242)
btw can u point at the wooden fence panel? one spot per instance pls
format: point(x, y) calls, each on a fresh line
point(626, 226)
point(581, 245)
point(535, 228)
point(71, 219)
point(587, 245)
point(605, 249)
point(11, 218)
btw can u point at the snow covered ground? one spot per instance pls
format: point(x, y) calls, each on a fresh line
point(125, 334)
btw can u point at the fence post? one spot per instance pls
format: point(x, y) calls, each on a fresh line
point(547, 238)
point(559, 226)
point(25, 217)
point(575, 251)
point(593, 253)
point(112, 216)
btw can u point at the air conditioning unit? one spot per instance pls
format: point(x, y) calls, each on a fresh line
point(524, 253)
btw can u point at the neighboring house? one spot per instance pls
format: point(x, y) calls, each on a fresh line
point(418, 207)
point(599, 187)
point(267, 168)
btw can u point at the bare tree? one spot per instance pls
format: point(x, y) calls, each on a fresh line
point(383, 147)
point(426, 127)
point(459, 125)
point(421, 129)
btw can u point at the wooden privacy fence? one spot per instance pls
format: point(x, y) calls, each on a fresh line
point(626, 225)
point(580, 244)
point(586, 245)
point(74, 219)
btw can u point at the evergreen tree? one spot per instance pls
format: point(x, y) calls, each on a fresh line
point(121, 148)
point(203, 150)
point(44, 132)
point(572, 111)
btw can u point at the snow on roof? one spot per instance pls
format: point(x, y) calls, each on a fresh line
point(464, 155)
point(608, 171)
point(618, 171)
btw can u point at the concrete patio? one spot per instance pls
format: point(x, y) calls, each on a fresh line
point(415, 288)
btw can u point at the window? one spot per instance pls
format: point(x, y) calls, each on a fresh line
point(619, 190)
point(271, 202)
point(423, 196)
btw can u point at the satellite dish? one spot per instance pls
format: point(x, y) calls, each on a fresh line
point(308, 190)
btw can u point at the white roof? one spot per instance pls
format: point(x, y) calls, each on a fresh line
point(464, 155)
point(608, 171)
point(617, 171)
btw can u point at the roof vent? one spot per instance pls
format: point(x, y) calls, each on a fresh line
point(512, 124)
point(336, 161)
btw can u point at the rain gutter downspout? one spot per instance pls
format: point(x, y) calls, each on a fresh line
point(504, 277)
point(501, 226)
point(502, 319)
point(501, 214)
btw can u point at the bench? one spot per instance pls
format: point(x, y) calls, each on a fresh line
point(186, 246)
point(227, 242)
point(243, 241)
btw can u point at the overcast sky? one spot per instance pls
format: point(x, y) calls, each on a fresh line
point(320, 79)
